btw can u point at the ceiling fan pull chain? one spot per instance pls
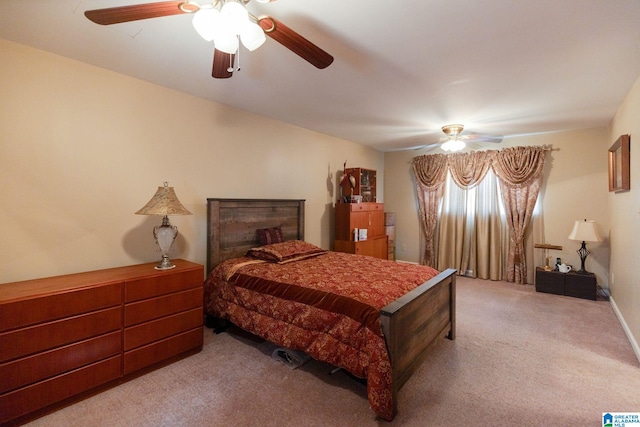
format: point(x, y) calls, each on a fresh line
point(230, 67)
point(238, 58)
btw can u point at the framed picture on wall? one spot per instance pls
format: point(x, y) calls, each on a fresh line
point(619, 178)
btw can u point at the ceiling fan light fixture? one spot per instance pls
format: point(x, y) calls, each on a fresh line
point(452, 131)
point(226, 42)
point(213, 23)
point(236, 16)
point(206, 23)
point(252, 36)
point(453, 145)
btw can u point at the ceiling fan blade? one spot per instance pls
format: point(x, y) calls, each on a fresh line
point(136, 12)
point(295, 42)
point(428, 146)
point(476, 137)
point(221, 63)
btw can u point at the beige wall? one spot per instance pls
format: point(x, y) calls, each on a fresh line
point(624, 230)
point(83, 148)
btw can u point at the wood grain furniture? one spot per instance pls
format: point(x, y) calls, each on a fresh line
point(369, 216)
point(571, 284)
point(64, 337)
point(410, 325)
point(365, 187)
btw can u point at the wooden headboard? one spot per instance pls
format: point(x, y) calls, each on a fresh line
point(232, 224)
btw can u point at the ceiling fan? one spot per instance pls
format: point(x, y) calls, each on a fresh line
point(225, 22)
point(456, 141)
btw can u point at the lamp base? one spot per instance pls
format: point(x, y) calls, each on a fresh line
point(165, 264)
point(165, 234)
point(583, 253)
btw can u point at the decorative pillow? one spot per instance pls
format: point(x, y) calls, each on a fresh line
point(267, 236)
point(291, 250)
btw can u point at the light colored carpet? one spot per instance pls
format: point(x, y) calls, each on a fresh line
point(520, 358)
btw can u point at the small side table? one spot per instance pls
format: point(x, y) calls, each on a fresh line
point(569, 284)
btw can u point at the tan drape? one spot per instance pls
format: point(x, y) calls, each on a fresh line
point(477, 248)
point(490, 232)
point(519, 171)
point(430, 173)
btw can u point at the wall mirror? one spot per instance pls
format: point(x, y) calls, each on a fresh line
point(619, 179)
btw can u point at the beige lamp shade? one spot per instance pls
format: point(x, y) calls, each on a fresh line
point(585, 231)
point(164, 202)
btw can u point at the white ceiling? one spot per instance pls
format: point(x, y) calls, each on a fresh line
point(402, 69)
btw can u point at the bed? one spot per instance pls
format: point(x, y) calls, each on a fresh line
point(349, 323)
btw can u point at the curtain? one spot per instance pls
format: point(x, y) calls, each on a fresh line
point(490, 227)
point(430, 173)
point(519, 173)
point(473, 227)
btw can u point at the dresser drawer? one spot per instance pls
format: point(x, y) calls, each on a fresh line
point(148, 287)
point(155, 330)
point(365, 206)
point(151, 354)
point(45, 336)
point(28, 399)
point(51, 307)
point(154, 308)
point(28, 370)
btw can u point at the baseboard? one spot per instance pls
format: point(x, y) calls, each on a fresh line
point(406, 262)
point(625, 327)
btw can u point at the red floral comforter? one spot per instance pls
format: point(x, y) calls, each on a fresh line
point(326, 304)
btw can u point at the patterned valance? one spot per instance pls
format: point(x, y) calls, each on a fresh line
point(515, 166)
point(519, 166)
point(430, 171)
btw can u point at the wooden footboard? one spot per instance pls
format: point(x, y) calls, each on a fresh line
point(414, 322)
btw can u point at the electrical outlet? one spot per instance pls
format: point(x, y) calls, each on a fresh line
point(403, 247)
point(612, 278)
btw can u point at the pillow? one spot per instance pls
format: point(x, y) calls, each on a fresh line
point(267, 236)
point(291, 250)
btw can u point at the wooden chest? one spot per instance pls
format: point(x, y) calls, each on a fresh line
point(62, 337)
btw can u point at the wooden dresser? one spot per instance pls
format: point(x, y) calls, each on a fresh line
point(64, 337)
point(369, 216)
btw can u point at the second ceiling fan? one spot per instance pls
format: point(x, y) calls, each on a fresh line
point(455, 140)
point(225, 22)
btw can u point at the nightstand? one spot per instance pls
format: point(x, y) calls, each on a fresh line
point(569, 284)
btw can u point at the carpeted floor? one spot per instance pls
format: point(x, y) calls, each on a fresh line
point(520, 358)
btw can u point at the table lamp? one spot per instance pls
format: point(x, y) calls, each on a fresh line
point(164, 202)
point(584, 231)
